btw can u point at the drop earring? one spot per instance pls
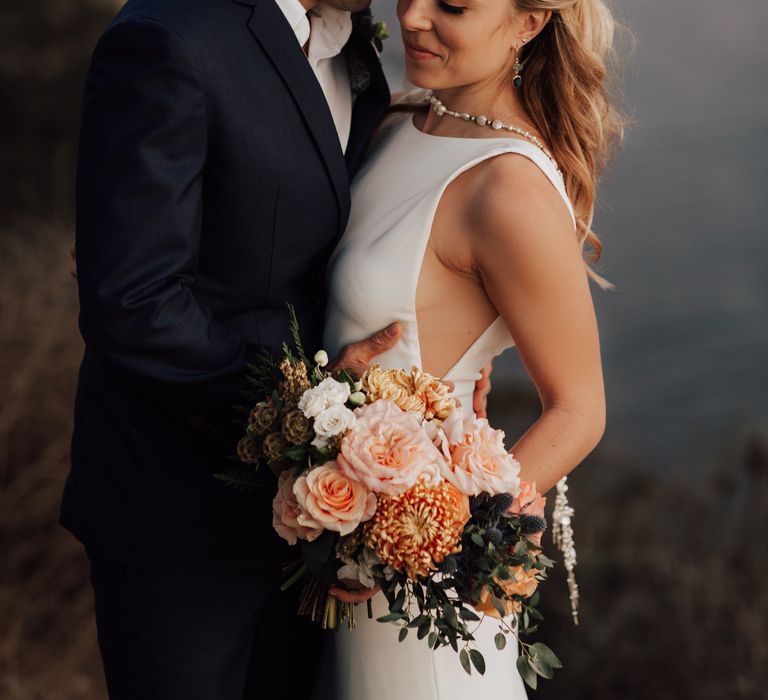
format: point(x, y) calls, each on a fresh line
point(517, 79)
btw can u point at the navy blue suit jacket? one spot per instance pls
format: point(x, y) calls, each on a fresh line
point(211, 189)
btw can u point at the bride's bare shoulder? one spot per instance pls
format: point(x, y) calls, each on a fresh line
point(511, 196)
point(515, 218)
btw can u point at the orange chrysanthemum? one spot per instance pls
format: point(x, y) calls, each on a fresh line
point(415, 531)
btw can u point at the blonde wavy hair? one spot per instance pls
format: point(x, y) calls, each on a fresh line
point(565, 93)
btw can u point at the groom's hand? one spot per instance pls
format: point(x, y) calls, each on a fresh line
point(357, 357)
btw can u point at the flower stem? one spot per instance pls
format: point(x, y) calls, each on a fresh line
point(296, 576)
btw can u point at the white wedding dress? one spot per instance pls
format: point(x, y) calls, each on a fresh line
point(372, 279)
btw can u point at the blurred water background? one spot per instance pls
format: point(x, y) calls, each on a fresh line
point(672, 507)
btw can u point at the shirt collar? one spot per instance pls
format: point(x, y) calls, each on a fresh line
point(331, 28)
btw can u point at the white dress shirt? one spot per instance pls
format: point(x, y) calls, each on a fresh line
point(327, 30)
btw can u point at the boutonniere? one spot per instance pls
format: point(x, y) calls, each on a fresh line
point(380, 32)
point(374, 32)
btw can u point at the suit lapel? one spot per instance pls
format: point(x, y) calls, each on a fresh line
point(372, 101)
point(268, 26)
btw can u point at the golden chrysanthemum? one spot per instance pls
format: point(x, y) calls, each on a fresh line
point(412, 390)
point(415, 531)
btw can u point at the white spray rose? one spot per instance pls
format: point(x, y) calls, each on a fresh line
point(332, 421)
point(327, 393)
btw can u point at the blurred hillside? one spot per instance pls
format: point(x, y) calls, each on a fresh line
point(671, 568)
point(45, 47)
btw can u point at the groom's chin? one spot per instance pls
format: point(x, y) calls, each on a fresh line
point(349, 5)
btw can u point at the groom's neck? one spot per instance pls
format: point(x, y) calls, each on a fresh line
point(309, 4)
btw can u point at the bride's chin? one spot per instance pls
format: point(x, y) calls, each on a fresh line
point(419, 80)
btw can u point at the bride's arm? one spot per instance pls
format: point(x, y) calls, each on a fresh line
point(531, 266)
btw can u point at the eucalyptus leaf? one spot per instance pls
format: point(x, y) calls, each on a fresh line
point(477, 661)
point(467, 614)
point(500, 640)
point(450, 616)
point(402, 634)
point(423, 630)
point(418, 621)
point(526, 672)
point(390, 617)
point(541, 667)
point(542, 651)
point(464, 659)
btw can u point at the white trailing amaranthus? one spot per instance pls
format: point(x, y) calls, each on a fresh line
point(562, 536)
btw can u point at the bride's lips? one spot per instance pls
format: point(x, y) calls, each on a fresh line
point(417, 53)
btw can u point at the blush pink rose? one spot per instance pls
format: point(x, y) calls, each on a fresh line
point(330, 500)
point(286, 510)
point(476, 460)
point(529, 502)
point(389, 449)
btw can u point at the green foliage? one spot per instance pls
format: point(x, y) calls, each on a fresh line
point(243, 479)
point(317, 555)
point(293, 327)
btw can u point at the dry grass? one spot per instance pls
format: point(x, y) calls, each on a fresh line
point(47, 633)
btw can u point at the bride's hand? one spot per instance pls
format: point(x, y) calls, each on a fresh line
point(354, 593)
point(357, 357)
point(482, 389)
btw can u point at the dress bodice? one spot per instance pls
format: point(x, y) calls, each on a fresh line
point(374, 272)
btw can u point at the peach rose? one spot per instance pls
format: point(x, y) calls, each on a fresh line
point(330, 500)
point(476, 460)
point(461, 501)
point(529, 502)
point(522, 583)
point(389, 449)
point(286, 510)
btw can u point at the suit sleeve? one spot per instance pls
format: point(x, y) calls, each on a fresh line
point(140, 173)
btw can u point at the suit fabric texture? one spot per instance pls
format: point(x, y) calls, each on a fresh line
point(211, 190)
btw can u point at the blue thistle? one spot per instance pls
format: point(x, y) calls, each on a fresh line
point(501, 502)
point(478, 501)
point(494, 536)
point(531, 524)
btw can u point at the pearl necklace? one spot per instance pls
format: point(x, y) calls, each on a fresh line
point(496, 124)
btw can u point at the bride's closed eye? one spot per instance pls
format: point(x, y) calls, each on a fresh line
point(450, 9)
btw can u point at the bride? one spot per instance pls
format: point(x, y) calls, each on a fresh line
point(468, 226)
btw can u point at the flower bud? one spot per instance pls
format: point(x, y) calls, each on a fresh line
point(321, 358)
point(357, 399)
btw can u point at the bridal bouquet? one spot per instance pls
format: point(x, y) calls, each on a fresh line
point(383, 481)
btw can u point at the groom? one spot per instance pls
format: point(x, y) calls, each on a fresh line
point(218, 139)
